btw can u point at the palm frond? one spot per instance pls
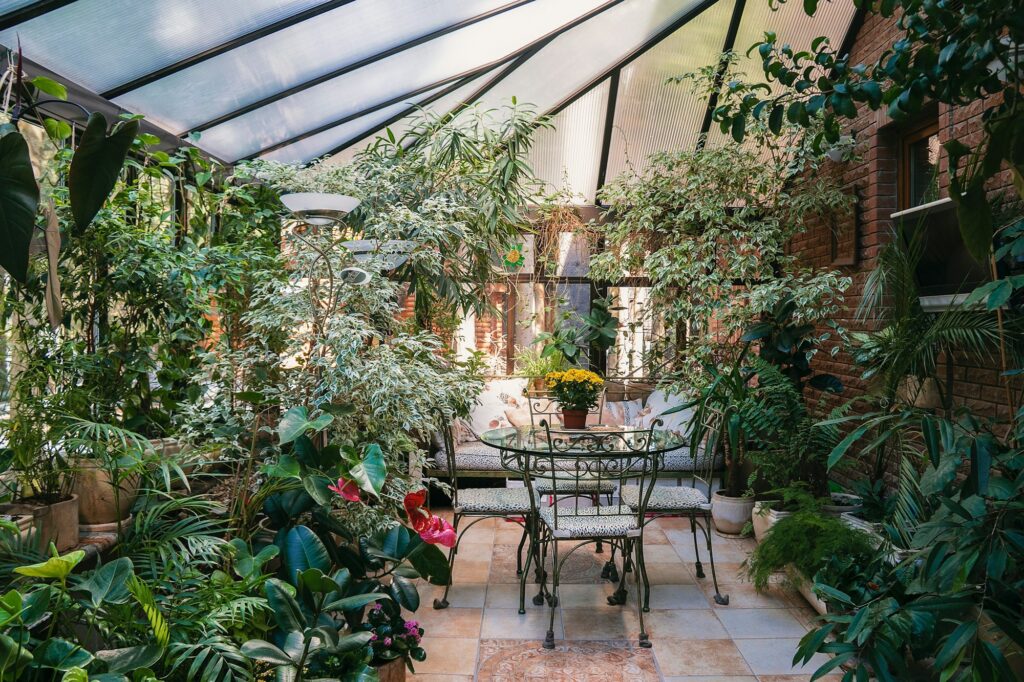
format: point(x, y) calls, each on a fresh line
point(214, 658)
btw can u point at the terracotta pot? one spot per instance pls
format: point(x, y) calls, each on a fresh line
point(574, 419)
point(98, 505)
point(764, 517)
point(57, 522)
point(730, 514)
point(392, 671)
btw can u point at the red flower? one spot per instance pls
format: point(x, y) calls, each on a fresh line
point(347, 489)
point(432, 529)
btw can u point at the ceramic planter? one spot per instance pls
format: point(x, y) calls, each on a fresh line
point(842, 503)
point(803, 586)
point(392, 671)
point(764, 517)
point(56, 523)
point(730, 514)
point(98, 506)
point(574, 419)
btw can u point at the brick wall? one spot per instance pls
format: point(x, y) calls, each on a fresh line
point(874, 179)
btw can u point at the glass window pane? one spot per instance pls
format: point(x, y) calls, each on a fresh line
point(566, 157)
point(652, 115)
point(422, 66)
point(295, 55)
point(102, 44)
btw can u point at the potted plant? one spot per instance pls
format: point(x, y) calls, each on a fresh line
point(577, 391)
point(40, 478)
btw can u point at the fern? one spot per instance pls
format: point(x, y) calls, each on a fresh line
point(213, 658)
point(140, 590)
point(175, 536)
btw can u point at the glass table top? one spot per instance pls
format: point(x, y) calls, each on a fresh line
point(610, 440)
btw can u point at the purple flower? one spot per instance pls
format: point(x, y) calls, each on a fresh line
point(387, 641)
point(378, 606)
point(411, 625)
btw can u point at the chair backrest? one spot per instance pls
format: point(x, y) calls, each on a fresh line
point(705, 445)
point(579, 458)
point(444, 427)
point(544, 407)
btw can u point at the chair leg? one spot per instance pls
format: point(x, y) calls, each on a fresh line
point(720, 599)
point(643, 574)
point(538, 599)
point(618, 597)
point(529, 527)
point(645, 641)
point(442, 603)
point(519, 552)
point(549, 639)
point(595, 500)
point(696, 547)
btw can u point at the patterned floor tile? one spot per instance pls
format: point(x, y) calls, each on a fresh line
point(516, 661)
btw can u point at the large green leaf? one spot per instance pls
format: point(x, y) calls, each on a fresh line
point(303, 550)
point(96, 166)
point(431, 563)
point(60, 654)
point(265, 651)
point(108, 584)
point(296, 422)
point(13, 658)
point(371, 472)
point(130, 658)
point(19, 203)
point(356, 601)
point(58, 567)
point(404, 592)
point(287, 613)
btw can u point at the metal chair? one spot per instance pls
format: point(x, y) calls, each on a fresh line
point(605, 456)
point(686, 501)
point(512, 504)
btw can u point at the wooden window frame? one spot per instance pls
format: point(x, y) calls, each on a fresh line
point(907, 139)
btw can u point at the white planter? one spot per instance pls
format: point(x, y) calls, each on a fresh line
point(764, 517)
point(803, 586)
point(730, 514)
point(842, 503)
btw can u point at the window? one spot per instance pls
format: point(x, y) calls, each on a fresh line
point(919, 166)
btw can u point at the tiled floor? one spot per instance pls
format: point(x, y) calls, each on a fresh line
point(482, 636)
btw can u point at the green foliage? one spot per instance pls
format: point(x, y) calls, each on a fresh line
point(19, 201)
point(531, 362)
point(96, 166)
point(806, 539)
point(951, 53)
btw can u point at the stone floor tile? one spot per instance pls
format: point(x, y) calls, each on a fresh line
point(449, 655)
point(506, 596)
point(728, 572)
point(699, 657)
point(690, 624)
point(510, 624)
point(450, 622)
point(428, 677)
point(744, 596)
point(666, 574)
point(759, 623)
point(470, 571)
point(469, 595)
point(713, 678)
point(798, 678)
point(517, 661)
point(474, 551)
point(678, 597)
point(586, 596)
point(585, 624)
point(775, 657)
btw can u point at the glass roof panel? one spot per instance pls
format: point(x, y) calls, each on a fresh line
point(400, 127)
point(567, 156)
point(317, 145)
point(296, 55)
point(101, 44)
point(423, 66)
point(792, 26)
point(581, 55)
point(652, 115)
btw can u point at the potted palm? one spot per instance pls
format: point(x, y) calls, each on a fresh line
point(577, 391)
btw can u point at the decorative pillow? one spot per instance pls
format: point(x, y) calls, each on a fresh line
point(658, 403)
point(622, 413)
point(498, 396)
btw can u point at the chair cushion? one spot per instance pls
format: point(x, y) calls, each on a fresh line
point(471, 456)
point(544, 485)
point(680, 460)
point(496, 500)
point(666, 498)
point(614, 521)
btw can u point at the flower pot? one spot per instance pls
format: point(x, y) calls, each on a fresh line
point(392, 671)
point(97, 503)
point(842, 503)
point(574, 419)
point(56, 522)
point(803, 586)
point(730, 514)
point(764, 517)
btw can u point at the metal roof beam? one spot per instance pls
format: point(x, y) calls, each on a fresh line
point(226, 46)
point(366, 61)
point(730, 42)
point(606, 136)
point(551, 35)
point(30, 11)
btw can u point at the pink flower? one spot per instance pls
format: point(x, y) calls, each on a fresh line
point(439, 532)
point(347, 489)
